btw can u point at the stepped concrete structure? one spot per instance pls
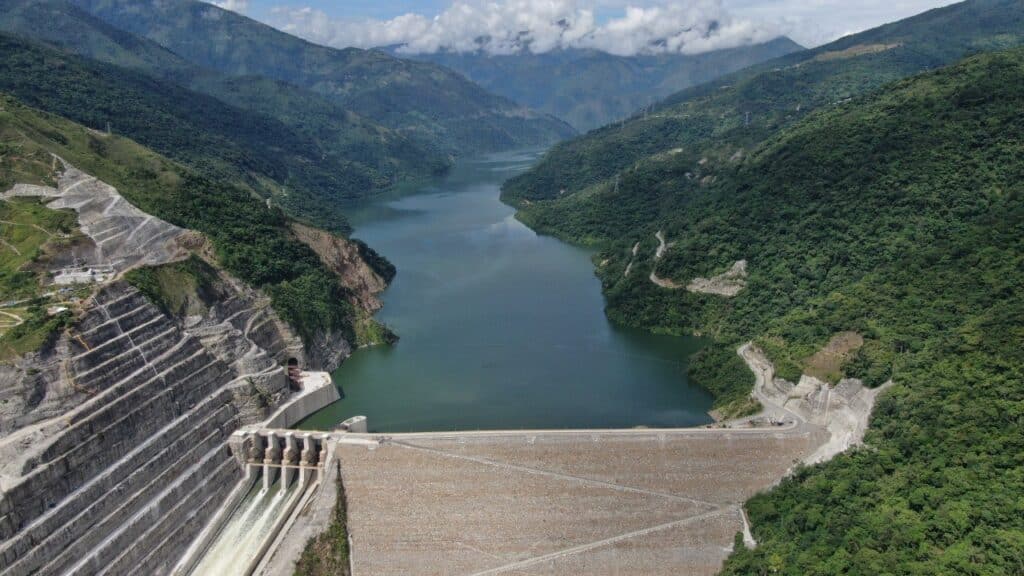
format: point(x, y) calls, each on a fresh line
point(125, 480)
point(114, 437)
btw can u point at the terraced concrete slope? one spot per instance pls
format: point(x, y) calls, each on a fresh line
point(113, 430)
point(114, 436)
point(128, 449)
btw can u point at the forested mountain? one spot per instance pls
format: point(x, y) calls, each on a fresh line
point(861, 204)
point(217, 139)
point(285, 142)
point(590, 88)
point(737, 111)
point(252, 241)
point(900, 217)
point(424, 102)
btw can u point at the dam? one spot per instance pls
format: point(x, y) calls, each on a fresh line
point(140, 442)
point(196, 476)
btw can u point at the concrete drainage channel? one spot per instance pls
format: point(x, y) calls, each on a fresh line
point(283, 470)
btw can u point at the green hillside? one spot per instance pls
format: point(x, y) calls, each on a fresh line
point(900, 217)
point(252, 241)
point(375, 156)
point(894, 211)
point(427, 103)
point(284, 142)
point(735, 113)
point(589, 88)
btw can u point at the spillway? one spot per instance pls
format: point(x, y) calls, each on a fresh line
point(237, 547)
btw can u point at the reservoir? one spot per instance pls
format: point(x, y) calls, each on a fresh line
point(500, 328)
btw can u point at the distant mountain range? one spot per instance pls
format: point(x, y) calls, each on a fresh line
point(425, 102)
point(590, 88)
point(288, 133)
point(742, 109)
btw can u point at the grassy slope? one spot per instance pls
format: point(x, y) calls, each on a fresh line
point(427, 103)
point(29, 230)
point(589, 88)
point(369, 156)
point(251, 241)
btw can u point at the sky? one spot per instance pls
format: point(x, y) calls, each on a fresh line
point(623, 27)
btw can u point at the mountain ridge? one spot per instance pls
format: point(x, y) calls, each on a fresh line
point(589, 88)
point(425, 102)
point(344, 156)
point(746, 107)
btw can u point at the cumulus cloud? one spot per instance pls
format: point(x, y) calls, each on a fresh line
point(510, 26)
point(819, 21)
point(240, 6)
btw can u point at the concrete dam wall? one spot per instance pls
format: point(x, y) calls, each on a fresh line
point(121, 454)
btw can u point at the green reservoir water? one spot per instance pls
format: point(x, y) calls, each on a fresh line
point(500, 328)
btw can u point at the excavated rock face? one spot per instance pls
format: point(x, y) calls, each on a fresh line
point(113, 437)
point(120, 455)
point(343, 258)
point(33, 388)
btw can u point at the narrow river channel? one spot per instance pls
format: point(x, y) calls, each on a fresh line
point(500, 328)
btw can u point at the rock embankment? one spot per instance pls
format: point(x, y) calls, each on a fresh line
point(343, 258)
point(728, 283)
point(843, 410)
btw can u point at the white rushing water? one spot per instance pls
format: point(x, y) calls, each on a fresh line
point(240, 540)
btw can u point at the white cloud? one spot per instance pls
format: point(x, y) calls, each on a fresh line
point(814, 22)
point(240, 6)
point(507, 26)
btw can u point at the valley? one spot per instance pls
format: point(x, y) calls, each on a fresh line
point(270, 308)
point(500, 328)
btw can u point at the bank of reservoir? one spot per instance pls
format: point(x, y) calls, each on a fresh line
point(500, 328)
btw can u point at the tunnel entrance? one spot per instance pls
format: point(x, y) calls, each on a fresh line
point(294, 374)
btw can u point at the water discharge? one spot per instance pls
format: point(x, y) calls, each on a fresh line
point(501, 328)
point(240, 539)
